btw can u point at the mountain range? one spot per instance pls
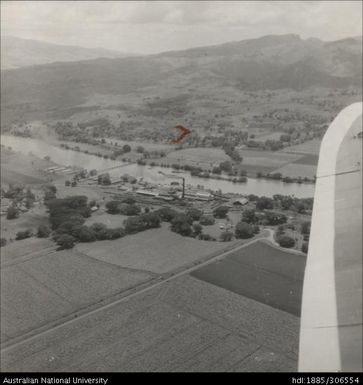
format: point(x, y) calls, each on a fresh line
point(266, 63)
point(18, 53)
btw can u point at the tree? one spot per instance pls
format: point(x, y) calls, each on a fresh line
point(253, 198)
point(126, 148)
point(3, 242)
point(272, 218)
point(72, 209)
point(226, 236)
point(205, 237)
point(305, 228)
point(142, 222)
point(113, 207)
point(104, 179)
point(195, 214)
point(216, 170)
point(244, 230)
point(197, 228)
point(101, 231)
point(86, 234)
point(285, 138)
point(129, 200)
point(140, 149)
point(263, 203)
point(166, 214)
point(286, 241)
point(207, 220)
point(225, 166)
point(220, 212)
point(43, 231)
point(286, 202)
point(305, 247)
point(129, 210)
point(116, 233)
point(50, 192)
point(67, 183)
point(12, 213)
point(181, 225)
point(29, 194)
point(23, 234)
point(249, 216)
point(65, 241)
point(276, 175)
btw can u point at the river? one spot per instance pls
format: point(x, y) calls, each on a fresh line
point(64, 157)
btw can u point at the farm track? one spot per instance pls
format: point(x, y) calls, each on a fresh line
point(29, 256)
point(108, 302)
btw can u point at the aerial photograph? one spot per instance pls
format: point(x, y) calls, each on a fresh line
point(181, 189)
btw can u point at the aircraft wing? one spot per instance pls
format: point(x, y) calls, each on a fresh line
point(331, 318)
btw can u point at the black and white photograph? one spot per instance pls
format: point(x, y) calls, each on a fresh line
point(181, 190)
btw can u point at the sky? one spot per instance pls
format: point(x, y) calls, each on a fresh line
point(146, 27)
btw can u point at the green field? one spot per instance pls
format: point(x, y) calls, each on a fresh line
point(261, 272)
point(267, 158)
point(204, 156)
point(109, 220)
point(295, 170)
point(156, 250)
point(310, 159)
point(255, 161)
point(268, 136)
point(309, 147)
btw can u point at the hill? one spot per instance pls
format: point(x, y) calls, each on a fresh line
point(17, 53)
point(229, 79)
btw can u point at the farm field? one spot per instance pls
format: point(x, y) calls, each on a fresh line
point(91, 192)
point(255, 161)
point(206, 156)
point(46, 287)
point(295, 170)
point(109, 220)
point(268, 136)
point(156, 250)
point(308, 147)
point(99, 148)
point(183, 325)
point(28, 220)
point(310, 159)
point(147, 146)
point(18, 169)
point(9, 176)
point(18, 249)
point(267, 158)
point(261, 272)
point(215, 231)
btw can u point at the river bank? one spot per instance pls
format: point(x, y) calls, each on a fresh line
point(267, 187)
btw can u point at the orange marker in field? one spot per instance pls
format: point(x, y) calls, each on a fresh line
point(184, 133)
